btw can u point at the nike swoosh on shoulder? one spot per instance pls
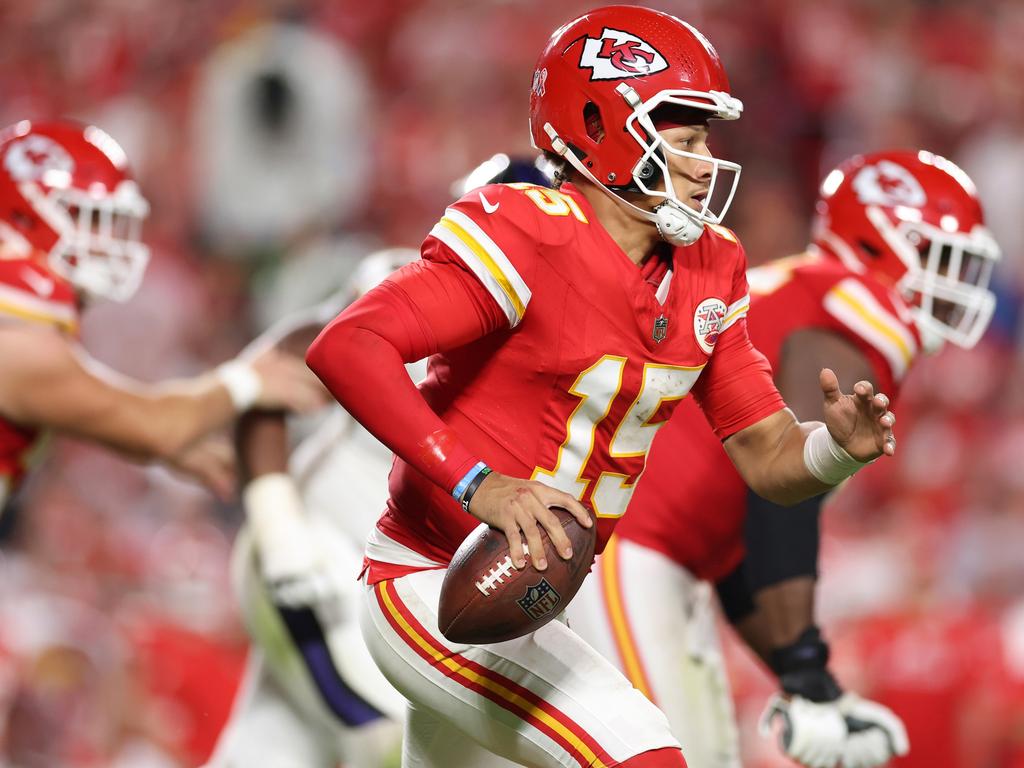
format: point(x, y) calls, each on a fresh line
point(44, 286)
point(489, 207)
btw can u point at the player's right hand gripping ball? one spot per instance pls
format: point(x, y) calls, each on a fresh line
point(485, 599)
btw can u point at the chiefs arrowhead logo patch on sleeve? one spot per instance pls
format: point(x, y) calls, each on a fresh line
point(707, 323)
point(618, 55)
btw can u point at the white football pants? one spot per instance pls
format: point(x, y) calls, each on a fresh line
point(542, 700)
point(655, 621)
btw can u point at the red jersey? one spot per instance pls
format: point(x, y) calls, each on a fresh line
point(28, 293)
point(708, 500)
point(587, 358)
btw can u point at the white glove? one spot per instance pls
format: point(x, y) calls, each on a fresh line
point(287, 550)
point(876, 733)
point(812, 734)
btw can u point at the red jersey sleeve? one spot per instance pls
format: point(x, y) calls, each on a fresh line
point(493, 233)
point(468, 284)
point(736, 389)
point(866, 315)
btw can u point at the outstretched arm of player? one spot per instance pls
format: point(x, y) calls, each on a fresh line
point(47, 381)
point(424, 308)
point(782, 459)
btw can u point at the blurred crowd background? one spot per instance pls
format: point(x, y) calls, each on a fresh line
point(280, 141)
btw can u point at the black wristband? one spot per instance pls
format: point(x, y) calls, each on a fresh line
point(802, 668)
point(467, 495)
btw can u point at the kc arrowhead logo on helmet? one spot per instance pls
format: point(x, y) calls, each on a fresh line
point(617, 54)
point(31, 158)
point(890, 184)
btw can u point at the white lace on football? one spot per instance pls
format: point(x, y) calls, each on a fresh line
point(497, 575)
point(100, 249)
point(948, 274)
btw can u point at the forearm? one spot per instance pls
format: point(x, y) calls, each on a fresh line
point(360, 357)
point(261, 442)
point(373, 386)
point(160, 422)
point(771, 461)
point(766, 618)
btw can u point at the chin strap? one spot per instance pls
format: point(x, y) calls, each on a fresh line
point(673, 224)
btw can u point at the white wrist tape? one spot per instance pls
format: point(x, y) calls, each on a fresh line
point(242, 383)
point(275, 512)
point(826, 459)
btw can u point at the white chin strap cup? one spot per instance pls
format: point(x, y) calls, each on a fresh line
point(675, 226)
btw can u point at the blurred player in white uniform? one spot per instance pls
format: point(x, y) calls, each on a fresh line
point(312, 695)
point(901, 261)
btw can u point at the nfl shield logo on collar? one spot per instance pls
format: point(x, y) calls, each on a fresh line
point(660, 329)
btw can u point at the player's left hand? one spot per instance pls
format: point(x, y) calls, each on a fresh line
point(210, 461)
point(861, 423)
point(876, 734)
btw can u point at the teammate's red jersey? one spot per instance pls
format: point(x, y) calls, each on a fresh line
point(689, 484)
point(584, 358)
point(30, 294)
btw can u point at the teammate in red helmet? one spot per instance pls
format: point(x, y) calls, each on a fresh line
point(70, 222)
point(563, 327)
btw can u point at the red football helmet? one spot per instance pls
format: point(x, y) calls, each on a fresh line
point(68, 201)
point(594, 88)
point(913, 220)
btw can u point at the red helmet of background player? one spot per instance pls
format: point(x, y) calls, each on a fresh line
point(594, 89)
point(68, 202)
point(913, 220)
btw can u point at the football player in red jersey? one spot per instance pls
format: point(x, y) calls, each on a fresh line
point(900, 262)
point(70, 220)
point(563, 327)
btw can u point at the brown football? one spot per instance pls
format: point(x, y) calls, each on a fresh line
point(485, 599)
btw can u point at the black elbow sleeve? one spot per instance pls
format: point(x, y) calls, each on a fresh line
point(734, 595)
point(782, 542)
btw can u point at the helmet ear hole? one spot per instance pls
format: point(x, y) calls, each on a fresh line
point(593, 122)
point(868, 249)
point(22, 220)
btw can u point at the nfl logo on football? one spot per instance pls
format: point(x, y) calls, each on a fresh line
point(539, 600)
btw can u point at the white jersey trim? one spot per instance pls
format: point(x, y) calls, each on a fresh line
point(662, 293)
point(487, 261)
point(736, 312)
point(383, 549)
point(855, 307)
